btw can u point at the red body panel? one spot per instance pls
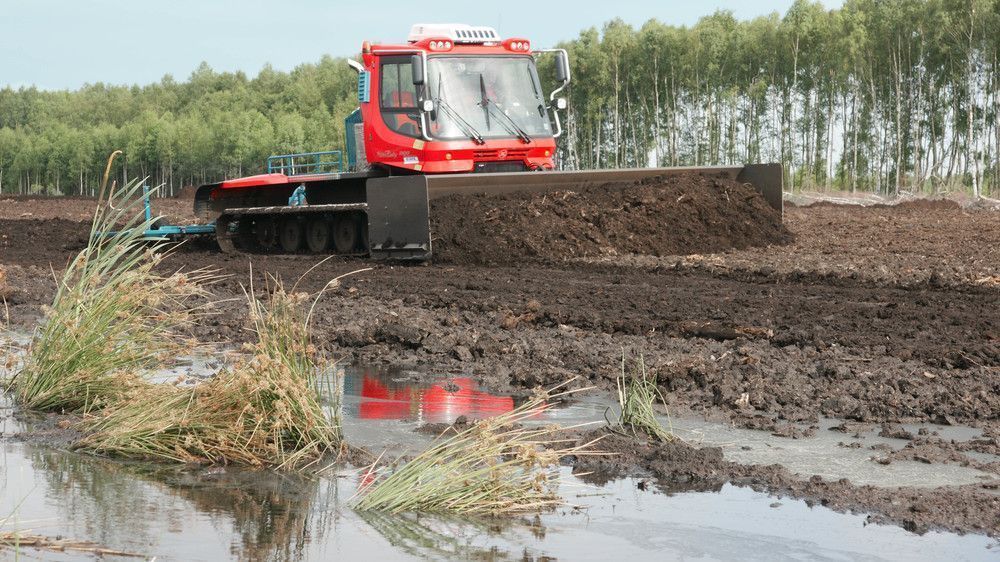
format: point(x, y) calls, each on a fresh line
point(263, 180)
point(255, 181)
point(387, 147)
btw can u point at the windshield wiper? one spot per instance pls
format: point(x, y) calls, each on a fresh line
point(466, 127)
point(511, 125)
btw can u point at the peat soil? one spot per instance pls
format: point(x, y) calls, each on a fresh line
point(676, 466)
point(872, 315)
point(76, 208)
point(658, 216)
point(912, 244)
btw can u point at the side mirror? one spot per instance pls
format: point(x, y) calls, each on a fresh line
point(562, 67)
point(417, 66)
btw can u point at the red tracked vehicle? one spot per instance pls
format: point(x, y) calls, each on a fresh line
point(455, 109)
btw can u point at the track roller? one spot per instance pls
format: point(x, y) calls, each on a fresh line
point(290, 234)
point(345, 232)
point(265, 233)
point(223, 235)
point(318, 234)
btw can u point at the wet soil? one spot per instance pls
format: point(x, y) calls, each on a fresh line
point(873, 315)
point(678, 467)
point(658, 217)
point(912, 244)
point(176, 209)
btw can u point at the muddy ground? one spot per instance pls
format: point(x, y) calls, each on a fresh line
point(659, 216)
point(872, 315)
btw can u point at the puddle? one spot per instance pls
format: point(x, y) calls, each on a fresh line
point(218, 515)
point(372, 396)
point(823, 455)
point(261, 516)
point(383, 407)
point(820, 454)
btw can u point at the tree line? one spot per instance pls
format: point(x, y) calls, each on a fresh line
point(213, 126)
point(878, 95)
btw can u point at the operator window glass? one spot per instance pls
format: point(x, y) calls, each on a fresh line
point(486, 96)
point(399, 97)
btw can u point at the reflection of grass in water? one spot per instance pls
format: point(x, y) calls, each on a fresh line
point(273, 516)
point(438, 537)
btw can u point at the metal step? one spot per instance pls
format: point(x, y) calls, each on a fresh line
point(285, 209)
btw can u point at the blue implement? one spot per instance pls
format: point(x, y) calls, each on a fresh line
point(171, 231)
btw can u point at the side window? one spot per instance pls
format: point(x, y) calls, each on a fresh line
point(398, 91)
point(399, 97)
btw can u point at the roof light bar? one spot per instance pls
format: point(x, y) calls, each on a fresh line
point(456, 32)
point(517, 45)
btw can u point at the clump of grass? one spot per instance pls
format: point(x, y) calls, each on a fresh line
point(112, 316)
point(497, 466)
point(265, 411)
point(637, 392)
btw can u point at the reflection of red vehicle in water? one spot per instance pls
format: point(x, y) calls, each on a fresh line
point(438, 403)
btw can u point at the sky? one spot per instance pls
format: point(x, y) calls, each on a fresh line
point(63, 44)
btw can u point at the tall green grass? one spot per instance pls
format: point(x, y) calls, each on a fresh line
point(113, 314)
point(497, 466)
point(637, 393)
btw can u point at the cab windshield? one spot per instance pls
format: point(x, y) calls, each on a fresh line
point(485, 97)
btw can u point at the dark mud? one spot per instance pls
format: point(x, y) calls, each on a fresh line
point(795, 350)
point(924, 205)
point(677, 467)
point(42, 242)
point(78, 208)
point(883, 315)
point(658, 217)
point(905, 245)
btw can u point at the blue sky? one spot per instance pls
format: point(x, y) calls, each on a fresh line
point(56, 44)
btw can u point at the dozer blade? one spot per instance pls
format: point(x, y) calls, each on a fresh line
point(765, 178)
point(398, 224)
point(399, 208)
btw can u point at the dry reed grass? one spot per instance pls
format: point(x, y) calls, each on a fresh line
point(19, 540)
point(264, 411)
point(497, 466)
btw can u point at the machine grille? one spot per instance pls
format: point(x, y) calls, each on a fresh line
point(494, 154)
point(496, 167)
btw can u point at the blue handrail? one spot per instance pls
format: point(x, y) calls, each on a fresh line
point(307, 163)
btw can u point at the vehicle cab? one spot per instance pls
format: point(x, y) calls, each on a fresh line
point(456, 98)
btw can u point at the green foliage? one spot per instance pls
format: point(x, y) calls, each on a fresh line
point(212, 126)
point(112, 315)
point(637, 393)
point(877, 95)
